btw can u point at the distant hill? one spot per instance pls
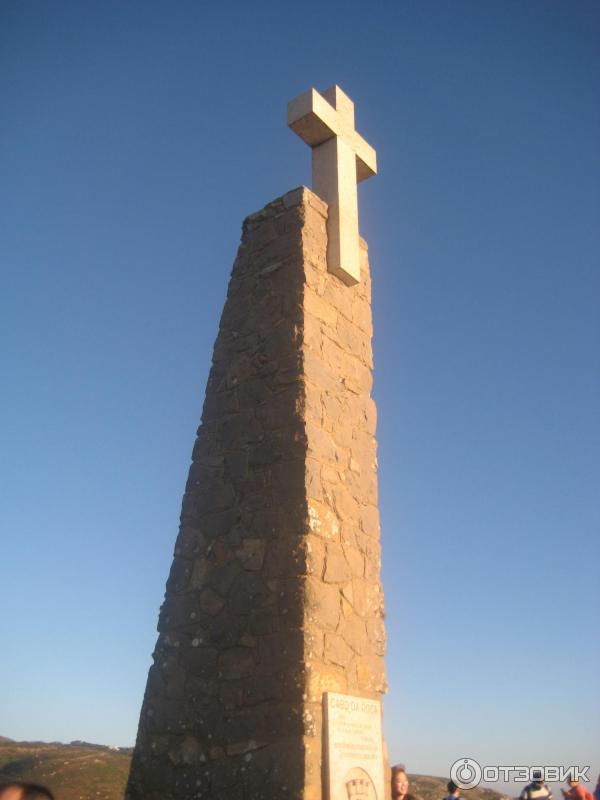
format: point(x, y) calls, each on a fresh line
point(76, 771)
point(85, 771)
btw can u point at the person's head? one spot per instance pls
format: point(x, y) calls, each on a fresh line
point(452, 788)
point(24, 791)
point(537, 777)
point(399, 781)
point(572, 780)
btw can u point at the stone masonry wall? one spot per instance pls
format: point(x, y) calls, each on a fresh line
point(344, 629)
point(274, 593)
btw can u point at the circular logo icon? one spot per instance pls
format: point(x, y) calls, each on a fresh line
point(466, 773)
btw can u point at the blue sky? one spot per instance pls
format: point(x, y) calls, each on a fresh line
point(134, 139)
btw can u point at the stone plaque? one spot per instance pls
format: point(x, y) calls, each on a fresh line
point(354, 748)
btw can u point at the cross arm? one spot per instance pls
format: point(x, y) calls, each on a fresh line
point(315, 121)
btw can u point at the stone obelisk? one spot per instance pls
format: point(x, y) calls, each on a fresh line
point(274, 598)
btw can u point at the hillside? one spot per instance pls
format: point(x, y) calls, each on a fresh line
point(84, 771)
point(76, 771)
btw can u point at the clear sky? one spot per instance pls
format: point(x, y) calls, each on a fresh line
point(134, 139)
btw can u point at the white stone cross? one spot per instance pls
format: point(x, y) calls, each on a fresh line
point(340, 158)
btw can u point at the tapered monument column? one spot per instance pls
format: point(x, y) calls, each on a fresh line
point(274, 595)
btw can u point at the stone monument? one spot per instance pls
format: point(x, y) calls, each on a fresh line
point(268, 670)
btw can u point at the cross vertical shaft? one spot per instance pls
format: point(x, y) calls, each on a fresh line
point(340, 158)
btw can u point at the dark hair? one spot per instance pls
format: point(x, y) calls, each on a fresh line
point(30, 791)
point(452, 787)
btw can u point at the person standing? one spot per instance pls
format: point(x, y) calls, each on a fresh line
point(453, 791)
point(576, 791)
point(400, 783)
point(536, 790)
